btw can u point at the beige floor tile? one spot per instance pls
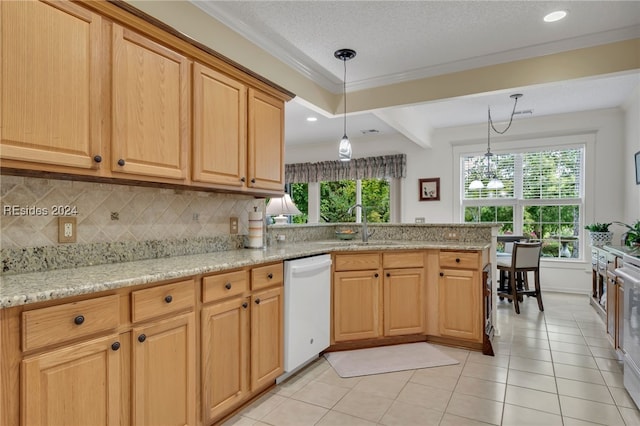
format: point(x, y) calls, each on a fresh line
point(481, 388)
point(335, 418)
point(425, 396)
point(363, 405)
point(531, 343)
point(540, 354)
point(514, 415)
point(579, 373)
point(599, 342)
point(452, 420)
point(598, 332)
point(315, 368)
point(551, 320)
point(574, 330)
point(322, 394)
point(456, 353)
point(446, 370)
point(497, 360)
point(531, 333)
point(262, 406)
point(485, 372)
point(239, 420)
point(590, 411)
point(613, 379)
point(586, 361)
point(292, 385)
point(569, 421)
point(603, 352)
point(630, 416)
point(475, 408)
point(570, 347)
point(583, 390)
point(534, 399)
point(531, 365)
point(622, 398)
point(332, 378)
point(568, 338)
point(428, 378)
point(294, 413)
point(606, 364)
point(384, 385)
point(539, 382)
point(403, 414)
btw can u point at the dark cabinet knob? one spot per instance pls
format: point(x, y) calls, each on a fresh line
point(115, 346)
point(142, 338)
point(457, 260)
point(245, 305)
point(270, 276)
point(388, 274)
point(121, 162)
point(168, 299)
point(78, 320)
point(227, 286)
point(97, 159)
point(257, 301)
point(375, 275)
point(442, 274)
point(253, 180)
point(243, 179)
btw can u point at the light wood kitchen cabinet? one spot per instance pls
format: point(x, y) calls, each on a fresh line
point(163, 355)
point(265, 142)
point(219, 128)
point(150, 107)
point(76, 385)
point(163, 372)
point(460, 295)
point(267, 337)
point(403, 293)
point(51, 86)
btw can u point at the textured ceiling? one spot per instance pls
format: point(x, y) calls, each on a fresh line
point(405, 40)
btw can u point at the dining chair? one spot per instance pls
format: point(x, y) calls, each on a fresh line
point(525, 258)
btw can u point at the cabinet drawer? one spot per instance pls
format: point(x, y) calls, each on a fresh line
point(57, 324)
point(357, 262)
point(161, 300)
point(414, 259)
point(217, 287)
point(266, 276)
point(457, 259)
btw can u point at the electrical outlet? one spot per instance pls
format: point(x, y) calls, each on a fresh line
point(67, 229)
point(451, 236)
point(233, 225)
point(419, 219)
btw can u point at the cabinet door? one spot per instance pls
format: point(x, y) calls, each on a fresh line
point(356, 305)
point(459, 304)
point(163, 372)
point(150, 127)
point(266, 142)
point(620, 313)
point(225, 351)
point(77, 385)
point(50, 84)
point(612, 294)
point(219, 128)
point(403, 301)
point(267, 337)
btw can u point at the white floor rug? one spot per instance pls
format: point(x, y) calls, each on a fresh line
point(385, 359)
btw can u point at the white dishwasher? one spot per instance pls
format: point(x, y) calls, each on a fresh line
point(307, 304)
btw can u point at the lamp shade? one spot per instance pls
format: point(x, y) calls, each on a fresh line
point(495, 184)
point(279, 208)
point(476, 184)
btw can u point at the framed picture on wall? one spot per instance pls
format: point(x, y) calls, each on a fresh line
point(429, 189)
point(638, 168)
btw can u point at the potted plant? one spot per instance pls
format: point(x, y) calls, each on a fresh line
point(632, 237)
point(599, 234)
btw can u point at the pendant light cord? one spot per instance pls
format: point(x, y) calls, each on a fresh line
point(490, 126)
point(344, 92)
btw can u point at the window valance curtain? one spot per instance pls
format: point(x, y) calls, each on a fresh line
point(385, 166)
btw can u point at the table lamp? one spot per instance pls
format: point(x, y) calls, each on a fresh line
point(280, 208)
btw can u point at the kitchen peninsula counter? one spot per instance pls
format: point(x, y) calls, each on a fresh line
point(27, 288)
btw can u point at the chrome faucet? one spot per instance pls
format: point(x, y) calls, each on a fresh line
point(365, 232)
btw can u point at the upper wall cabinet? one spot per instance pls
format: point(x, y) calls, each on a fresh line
point(51, 86)
point(150, 107)
point(219, 128)
point(266, 142)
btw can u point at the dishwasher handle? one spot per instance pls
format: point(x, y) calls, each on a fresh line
point(306, 269)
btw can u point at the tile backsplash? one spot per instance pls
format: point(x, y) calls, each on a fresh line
point(109, 213)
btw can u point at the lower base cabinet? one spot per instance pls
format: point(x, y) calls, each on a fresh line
point(460, 304)
point(77, 385)
point(267, 337)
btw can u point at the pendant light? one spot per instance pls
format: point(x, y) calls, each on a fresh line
point(344, 150)
point(494, 182)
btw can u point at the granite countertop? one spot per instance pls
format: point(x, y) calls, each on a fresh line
point(622, 250)
point(22, 289)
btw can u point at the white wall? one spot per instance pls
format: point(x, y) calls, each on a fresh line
point(611, 135)
point(632, 145)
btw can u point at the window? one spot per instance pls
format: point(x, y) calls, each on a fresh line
point(337, 197)
point(300, 196)
point(542, 196)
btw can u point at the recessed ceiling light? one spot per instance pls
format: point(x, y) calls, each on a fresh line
point(312, 118)
point(555, 16)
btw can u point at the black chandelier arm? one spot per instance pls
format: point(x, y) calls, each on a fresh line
point(515, 97)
